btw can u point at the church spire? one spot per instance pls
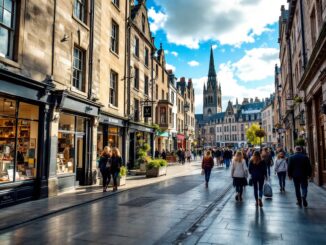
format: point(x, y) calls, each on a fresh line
point(211, 71)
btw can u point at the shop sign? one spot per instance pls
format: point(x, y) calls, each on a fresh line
point(111, 120)
point(147, 111)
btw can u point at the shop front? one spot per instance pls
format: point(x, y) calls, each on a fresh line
point(110, 133)
point(74, 159)
point(138, 135)
point(23, 139)
point(181, 141)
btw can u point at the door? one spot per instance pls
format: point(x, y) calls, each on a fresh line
point(132, 150)
point(80, 159)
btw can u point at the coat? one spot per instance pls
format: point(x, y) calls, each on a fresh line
point(103, 163)
point(258, 171)
point(299, 166)
point(207, 163)
point(116, 163)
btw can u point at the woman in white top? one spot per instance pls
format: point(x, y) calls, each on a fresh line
point(281, 167)
point(239, 173)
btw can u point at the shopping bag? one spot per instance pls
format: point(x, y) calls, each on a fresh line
point(267, 190)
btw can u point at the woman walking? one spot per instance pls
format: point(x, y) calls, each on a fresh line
point(105, 165)
point(239, 173)
point(115, 167)
point(280, 169)
point(258, 171)
point(207, 165)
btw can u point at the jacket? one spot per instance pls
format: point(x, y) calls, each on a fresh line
point(299, 166)
point(116, 163)
point(239, 170)
point(103, 162)
point(207, 163)
point(280, 165)
point(258, 171)
point(268, 159)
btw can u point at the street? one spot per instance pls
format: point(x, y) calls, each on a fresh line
point(181, 210)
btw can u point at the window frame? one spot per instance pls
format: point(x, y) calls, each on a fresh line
point(146, 85)
point(146, 56)
point(136, 46)
point(114, 40)
point(136, 78)
point(80, 14)
point(113, 93)
point(80, 69)
point(116, 3)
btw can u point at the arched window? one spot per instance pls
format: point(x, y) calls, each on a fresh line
point(209, 112)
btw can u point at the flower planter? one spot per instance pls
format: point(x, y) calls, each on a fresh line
point(142, 167)
point(171, 158)
point(156, 172)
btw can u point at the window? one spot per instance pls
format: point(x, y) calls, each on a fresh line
point(7, 28)
point(78, 79)
point(156, 91)
point(136, 110)
point(136, 78)
point(115, 37)
point(170, 115)
point(163, 115)
point(136, 47)
point(146, 57)
point(146, 85)
point(162, 98)
point(80, 10)
point(116, 3)
point(143, 21)
point(313, 27)
point(113, 88)
point(156, 70)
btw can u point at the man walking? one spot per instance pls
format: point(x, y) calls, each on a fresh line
point(299, 169)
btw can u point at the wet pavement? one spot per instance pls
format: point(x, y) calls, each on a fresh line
point(178, 210)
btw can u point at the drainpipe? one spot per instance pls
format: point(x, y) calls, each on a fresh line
point(91, 51)
point(53, 35)
point(304, 53)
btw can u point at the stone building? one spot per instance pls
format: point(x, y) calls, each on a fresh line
point(302, 55)
point(268, 122)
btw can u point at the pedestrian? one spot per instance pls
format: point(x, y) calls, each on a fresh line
point(258, 172)
point(117, 162)
point(239, 173)
point(163, 154)
point(266, 156)
point(188, 155)
point(194, 152)
point(105, 165)
point(299, 169)
point(157, 154)
point(207, 165)
point(280, 169)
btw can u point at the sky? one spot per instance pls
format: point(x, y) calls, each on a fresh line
point(243, 34)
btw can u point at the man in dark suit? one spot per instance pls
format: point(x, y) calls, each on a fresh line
point(299, 169)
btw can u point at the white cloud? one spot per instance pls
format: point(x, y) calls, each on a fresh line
point(170, 67)
point(174, 53)
point(189, 22)
point(193, 63)
point(257, 64)
point(157, 19)
point(166, 51)
point(214, 46)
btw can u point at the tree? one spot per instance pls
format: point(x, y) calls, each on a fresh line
point(255, 134)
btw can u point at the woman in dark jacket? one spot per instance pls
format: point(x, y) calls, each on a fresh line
point(105, 165)
point(258, 171)
point(207, 165)
point(116, 161)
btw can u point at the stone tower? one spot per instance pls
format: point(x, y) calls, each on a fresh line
point(212, 93)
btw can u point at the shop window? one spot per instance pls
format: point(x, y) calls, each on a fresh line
point(18, 140)
point(78, 79)
point(115, 37)
point(7, 27)
point(80, 10)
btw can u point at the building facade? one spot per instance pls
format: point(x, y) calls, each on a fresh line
point(268, 123)
point(302, 55)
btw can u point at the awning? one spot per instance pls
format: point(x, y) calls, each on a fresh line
point(162, 134)
point(180, 137)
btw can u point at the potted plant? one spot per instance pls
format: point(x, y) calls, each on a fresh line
point(122, 176)
point(142, 155)
point(156, 168)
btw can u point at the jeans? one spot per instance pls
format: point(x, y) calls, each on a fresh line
point(106, 177)
point(269, 170)
point(258, 188)
point(303, 183)
point(227, 162)
point(114, 177)
point(281, 178)
point(207, 174)
point(239, 189)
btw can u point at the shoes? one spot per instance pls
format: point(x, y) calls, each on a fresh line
point(305, 203)
point(256, 203)
point(299, 203)
point(283, 189)
point(104, 189)
point(206, 185)
point(237, 197)
point(260, 203)
point(240, 198)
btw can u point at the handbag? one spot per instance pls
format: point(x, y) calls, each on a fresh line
point(267, 190)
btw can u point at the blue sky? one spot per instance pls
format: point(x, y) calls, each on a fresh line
point(245, 44)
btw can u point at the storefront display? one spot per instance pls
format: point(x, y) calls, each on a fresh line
point(18, 140)
point(70, 136)
point(108, 136)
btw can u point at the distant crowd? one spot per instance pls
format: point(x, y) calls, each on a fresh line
point(253, 167)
